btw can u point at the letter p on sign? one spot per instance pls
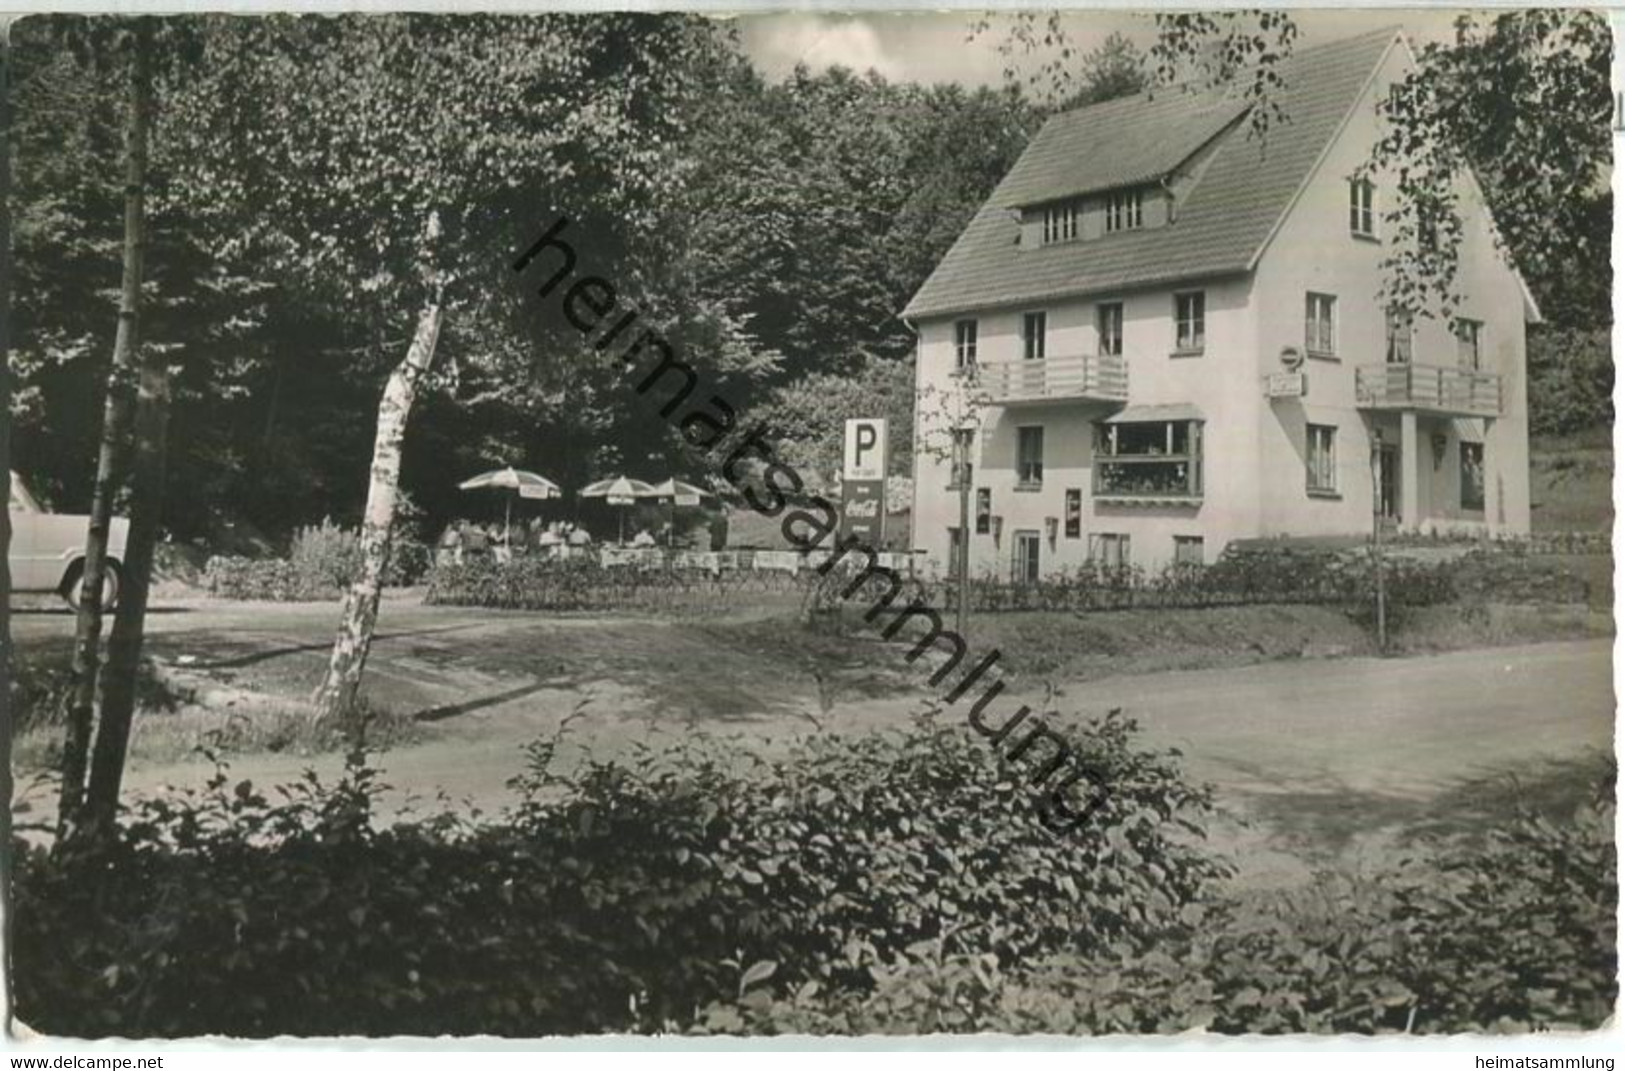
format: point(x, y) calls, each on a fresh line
point(865, 454)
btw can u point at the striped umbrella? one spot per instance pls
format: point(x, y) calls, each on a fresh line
point(679, 493)
point(523, 484)
point(619, 491)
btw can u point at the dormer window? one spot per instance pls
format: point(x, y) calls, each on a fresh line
point(1061, 222)
point(1125, 211)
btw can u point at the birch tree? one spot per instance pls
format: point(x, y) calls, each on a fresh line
point(416, 155)
point(113, 456)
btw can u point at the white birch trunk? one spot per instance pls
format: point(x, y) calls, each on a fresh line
point(338, 691)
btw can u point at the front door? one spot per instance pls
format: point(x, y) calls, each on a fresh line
point(1026, 563)
point(1388, 483)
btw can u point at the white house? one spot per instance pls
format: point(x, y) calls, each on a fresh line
point(1177, 336)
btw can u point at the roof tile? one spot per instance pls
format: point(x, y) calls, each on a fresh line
point(1222, 222)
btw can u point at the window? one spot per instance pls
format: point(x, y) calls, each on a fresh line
point(1320, 324)
point(1469, 334)
point(964, 344)
point(1030, 456)
point(1124, 211)
point(1061, 222)
point(1109, 322)
point(1320, 459)
point(1363, 208)
point(984, 510)
point(1149, 459)
point(1034, 326)
point(1074, 512)
point(1190, 314)
point(1472, 476)
point(1024, 569)
point(955, 547)
point(1109, 549)
point(1399, 336)
point(1187, 550)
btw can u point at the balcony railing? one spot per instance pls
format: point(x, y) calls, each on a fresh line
point(1085, 377)
point(1436, 388)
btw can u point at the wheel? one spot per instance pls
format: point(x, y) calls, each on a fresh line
point(111, 583)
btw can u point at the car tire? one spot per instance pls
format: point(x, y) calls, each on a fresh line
point(112, 585)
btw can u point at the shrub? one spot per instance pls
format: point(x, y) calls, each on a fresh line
point(264, 579)
point(536, 583)
point(617, 896)
point(1512, 931)
point(323, 560)
point(1243, 575)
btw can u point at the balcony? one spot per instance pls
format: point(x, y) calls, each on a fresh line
point(1429, 388)
point(1083, 378)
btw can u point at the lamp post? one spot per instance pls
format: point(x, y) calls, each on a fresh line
point(964, 435)
point(1376, 540)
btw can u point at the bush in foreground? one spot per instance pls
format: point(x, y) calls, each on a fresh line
point(1511, 932)
point(619, 896)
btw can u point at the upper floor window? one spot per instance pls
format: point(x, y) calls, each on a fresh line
point(1109, 321)
point(1034, 326)
point(1190, 322)
point(1472, 476)
point(1399, 336)
point(1320, 459)
point(1030, 455)
point(1320, 324)
point(1363, 208)
point(1061, 222)
point(1159, 458)
point(1125, 211)
point(984, 510)
point(1469, 335)
point(964, 344)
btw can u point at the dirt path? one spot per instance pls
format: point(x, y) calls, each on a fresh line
point(1317, 754)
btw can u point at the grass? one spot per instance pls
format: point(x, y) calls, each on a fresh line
point(1571, 482)
point(182, 715)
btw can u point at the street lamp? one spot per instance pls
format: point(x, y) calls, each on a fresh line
point(964, 434)
point(1376, 540)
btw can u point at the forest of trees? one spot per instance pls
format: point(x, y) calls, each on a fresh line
point(777, 229)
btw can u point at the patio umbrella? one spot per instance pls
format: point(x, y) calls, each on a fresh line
point(524, 484)
point(679, 493)
point(619, 491)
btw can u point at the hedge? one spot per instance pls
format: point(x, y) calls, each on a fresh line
point(892, 882)
point(1242, 575)
point(536, 583)
point(1512, 932)
point(620, 896)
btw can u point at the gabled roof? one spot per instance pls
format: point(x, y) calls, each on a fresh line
point(1222, 223)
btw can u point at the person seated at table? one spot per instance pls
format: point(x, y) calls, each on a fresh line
point(473, 540)
point(579, 537)
point(643, 538)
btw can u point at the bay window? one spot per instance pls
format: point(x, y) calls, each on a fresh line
point(1149, 459)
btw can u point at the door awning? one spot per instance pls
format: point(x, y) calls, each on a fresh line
point(1148, 414)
